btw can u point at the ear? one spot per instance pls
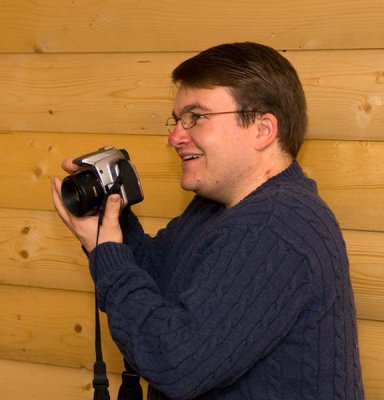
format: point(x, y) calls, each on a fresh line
point(267, 129)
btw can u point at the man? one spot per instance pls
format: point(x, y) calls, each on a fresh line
point(247, 294)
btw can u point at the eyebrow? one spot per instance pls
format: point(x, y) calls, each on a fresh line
point(189, 108)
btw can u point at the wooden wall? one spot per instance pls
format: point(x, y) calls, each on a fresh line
point(79, 74)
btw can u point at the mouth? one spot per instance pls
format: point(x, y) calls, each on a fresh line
point(190, 157)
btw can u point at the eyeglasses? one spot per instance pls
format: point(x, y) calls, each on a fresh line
point(189, 119)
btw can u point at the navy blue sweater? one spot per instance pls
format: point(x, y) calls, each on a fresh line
point(252, 302)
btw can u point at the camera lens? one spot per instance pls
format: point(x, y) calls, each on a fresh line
point(82, 193)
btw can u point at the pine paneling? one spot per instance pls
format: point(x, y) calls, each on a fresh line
point(344, 170)
point(172, 25)
point(59, 333)
point(366, 256)
point(371, 344)
point(36, 250)
point(75, 76)
point(131, 93)
point(35, 157)
point(350, 179)
point(53, 327)
point(23, 380)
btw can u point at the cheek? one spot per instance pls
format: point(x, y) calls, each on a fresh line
point(219, 144)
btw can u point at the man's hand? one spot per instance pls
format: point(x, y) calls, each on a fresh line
point(85, 228)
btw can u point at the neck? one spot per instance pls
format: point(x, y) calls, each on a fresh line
point(269, 167)
point(275, 167)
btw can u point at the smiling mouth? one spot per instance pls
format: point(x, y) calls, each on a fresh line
point(191, 157)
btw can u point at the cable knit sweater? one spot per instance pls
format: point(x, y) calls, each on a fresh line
point(252, 302)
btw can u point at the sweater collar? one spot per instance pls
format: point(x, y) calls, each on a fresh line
point(291, 174)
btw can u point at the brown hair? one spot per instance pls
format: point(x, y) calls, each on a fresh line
point(260, 79)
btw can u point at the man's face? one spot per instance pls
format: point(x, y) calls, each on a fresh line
point(218, 156)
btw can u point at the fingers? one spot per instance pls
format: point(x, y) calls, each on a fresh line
point(56, 183)
point(57, 201)
point(85, 228)
point(69, 166)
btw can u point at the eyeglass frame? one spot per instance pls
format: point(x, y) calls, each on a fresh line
point(197, 116)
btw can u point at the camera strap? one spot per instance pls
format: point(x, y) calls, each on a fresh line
point(130, 388)
point(100, 379)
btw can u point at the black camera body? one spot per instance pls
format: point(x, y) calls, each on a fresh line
point(103, 172)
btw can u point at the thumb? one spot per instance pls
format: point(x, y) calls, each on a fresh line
point(112, 210)
point(110, 230)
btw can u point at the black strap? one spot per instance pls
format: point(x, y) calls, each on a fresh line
point(100, 380)
point(130, 388)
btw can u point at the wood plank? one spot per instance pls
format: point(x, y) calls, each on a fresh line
point(37, 329)
point(119, 93)
point(349, 173)
point(344, 93)
point(36, 157)
point(128, 25)
point(48, 382)
point(22, 380)
point(53, 327)
point(130, 93)
point(366, 256)
point(36, 249)
point(350, 177)
point(371, 345)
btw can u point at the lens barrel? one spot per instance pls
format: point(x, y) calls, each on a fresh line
point(82, 193)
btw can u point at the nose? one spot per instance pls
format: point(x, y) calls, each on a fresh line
point(178, 136)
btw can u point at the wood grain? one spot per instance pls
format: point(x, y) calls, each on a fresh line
point(55, 327)
point(22, 380)
point(47, 382)
point(127, 25)
point(350, 177)
point(371, 344)
point(349, 173)
point(366, 256)
point(131, 93)
point(36, 157)
point(38, 250)
point(77, 75)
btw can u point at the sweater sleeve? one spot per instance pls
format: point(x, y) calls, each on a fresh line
point(248, 288)
point(148, 251)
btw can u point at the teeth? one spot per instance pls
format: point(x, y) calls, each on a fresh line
point(190, 157)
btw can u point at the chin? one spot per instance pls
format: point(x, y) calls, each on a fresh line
point(189, 184)
point(189, 188)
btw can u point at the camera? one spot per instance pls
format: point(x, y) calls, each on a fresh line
point(105, 171)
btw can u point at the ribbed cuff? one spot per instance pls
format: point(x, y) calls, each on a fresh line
point(108, 257)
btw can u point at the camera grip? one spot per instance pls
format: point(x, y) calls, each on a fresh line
point(130, 182)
